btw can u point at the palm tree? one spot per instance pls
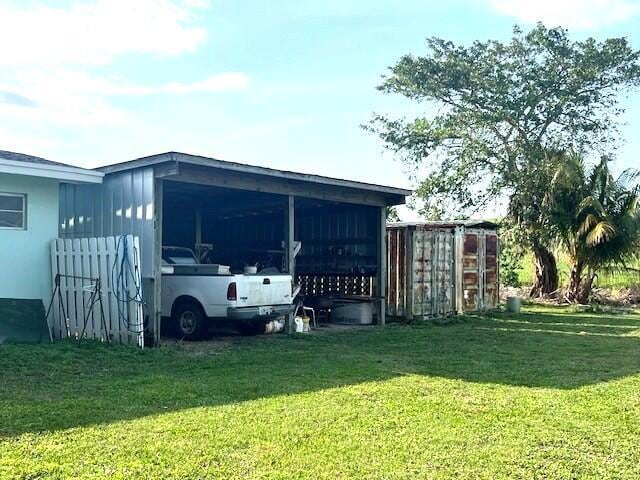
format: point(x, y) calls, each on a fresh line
point(595, 217)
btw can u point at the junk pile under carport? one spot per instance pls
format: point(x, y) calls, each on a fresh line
point(335, 252)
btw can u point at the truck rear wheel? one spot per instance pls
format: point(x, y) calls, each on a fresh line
point(189, 321)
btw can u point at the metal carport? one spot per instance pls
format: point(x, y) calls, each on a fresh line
point(328, 213)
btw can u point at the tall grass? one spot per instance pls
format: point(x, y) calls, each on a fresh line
point(604, 280)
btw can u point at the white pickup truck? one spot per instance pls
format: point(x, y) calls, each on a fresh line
point(195, 294)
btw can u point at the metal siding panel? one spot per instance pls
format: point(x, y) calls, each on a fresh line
point(113, 209)
point(62, 210)
point(127, 204)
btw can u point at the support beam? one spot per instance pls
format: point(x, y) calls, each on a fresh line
point(156, 310)
point(459, 270)
point(289, 245)
point(382, 266)
point(243, 181)
point(198, 226)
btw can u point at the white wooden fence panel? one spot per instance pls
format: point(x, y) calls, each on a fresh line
point(78, 286)
point(90, 245)
point(103, 273)
point(67, 287)
point(112, 263)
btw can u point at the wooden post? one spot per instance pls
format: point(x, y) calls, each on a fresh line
point(289, 246)
point(410, 236)
point(156, 312)
point(198, 227)
point(382, 266)
point(459, 269)
point(482, 270)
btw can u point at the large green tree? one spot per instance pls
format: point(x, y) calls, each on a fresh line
point(492, 112)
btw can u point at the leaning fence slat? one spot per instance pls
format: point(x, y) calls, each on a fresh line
point(112, 274)
point(92, 257)
point(103, 272)
point(123, 286)
point(78, 285)
point(54, 320)
point(68, 288)
point(89, 285)
point(139, 312)
point(64, 301)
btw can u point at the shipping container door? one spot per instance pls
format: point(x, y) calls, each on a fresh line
point(491, 284)
point(396, 274)
point(471, 292)
point(421, 272)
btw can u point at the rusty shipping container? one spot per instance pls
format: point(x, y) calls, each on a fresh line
point(437, 269)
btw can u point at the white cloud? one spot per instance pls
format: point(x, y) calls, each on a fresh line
point(95, 32)
point(72, 97)
point(52, 81)
point(580, 14)
point(47, 55)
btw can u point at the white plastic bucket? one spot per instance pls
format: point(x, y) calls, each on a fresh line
point(514, 304)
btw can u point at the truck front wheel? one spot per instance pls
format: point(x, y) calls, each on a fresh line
point(189, 321)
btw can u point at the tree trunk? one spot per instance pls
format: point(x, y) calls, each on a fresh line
point(585, 289)
point(546, 282)
point(580, 285)
point(575, 282)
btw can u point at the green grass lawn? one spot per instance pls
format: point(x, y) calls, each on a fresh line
point(545, 394)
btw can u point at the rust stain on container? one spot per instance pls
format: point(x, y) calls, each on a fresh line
point(470, 279)
point(470, 244)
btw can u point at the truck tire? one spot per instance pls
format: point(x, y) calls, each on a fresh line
point(189, 321)
point(251, 327)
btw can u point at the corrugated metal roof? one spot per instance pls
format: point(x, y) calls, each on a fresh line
point(23, 157)
point(240, 167)
point(446, 224)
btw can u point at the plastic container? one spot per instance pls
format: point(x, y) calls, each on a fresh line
point(250, 269)
point(274, 326)
point(305, 324)
point(514, 304)
point(298, 324)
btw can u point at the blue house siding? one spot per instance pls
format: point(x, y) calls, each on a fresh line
point(25, 272)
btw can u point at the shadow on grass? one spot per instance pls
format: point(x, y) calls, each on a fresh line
point(49, 387)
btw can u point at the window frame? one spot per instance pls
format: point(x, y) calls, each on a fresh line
point(23, 211)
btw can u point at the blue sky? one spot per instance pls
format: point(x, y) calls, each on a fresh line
point(284, 84)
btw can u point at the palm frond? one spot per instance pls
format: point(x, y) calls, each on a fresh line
point(587, 224)
point(590, 202)
point(602, 232)
point(629, 178)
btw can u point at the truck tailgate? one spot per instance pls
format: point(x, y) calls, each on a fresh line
point(257, 290)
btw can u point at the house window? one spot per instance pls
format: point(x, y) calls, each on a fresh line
point(13, 211)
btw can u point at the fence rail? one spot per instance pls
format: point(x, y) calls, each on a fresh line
point(98, 292)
